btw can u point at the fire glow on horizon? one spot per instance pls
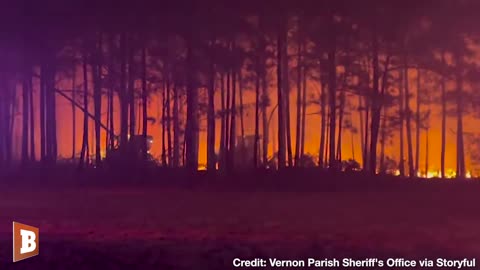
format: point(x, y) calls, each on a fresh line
point(349, 150)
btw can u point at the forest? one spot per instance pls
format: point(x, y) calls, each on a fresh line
point(384, 87)
point(185, 134)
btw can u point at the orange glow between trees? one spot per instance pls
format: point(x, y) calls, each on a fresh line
point(312, 138)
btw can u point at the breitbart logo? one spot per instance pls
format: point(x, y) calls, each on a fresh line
point(25, 241)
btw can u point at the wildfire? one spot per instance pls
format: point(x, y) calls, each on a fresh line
point(449, 174)
point(428, 174)
point(432, 174)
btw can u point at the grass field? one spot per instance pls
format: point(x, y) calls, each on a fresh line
point(206, 226)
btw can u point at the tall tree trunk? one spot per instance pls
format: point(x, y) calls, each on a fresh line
point(111, 117)
point(264, 105)
point(264, 98)
point(48, 110)
point(84, 150)
point(274, 147)
point(176, 128)
point(401, 164)
point(108, 133)
point(286, 85)
point(332, 92)
point(323, 104)
point(376, 114)
point(352, 144)
point(376, 107)
point(426, 151)
point(90, 149)
point(417, 125)
point(461, 172)
point(53, 118)
point(191, 132)
point(131, 87)
point(227, 119)
point(360, 113)
point(211, 156)
point(411, 169)
point(145, 104)
point(341, 112)
point(123, 95)
point(304, 113)
point(366, 137)
point(240, 89)
point(382, 141)
point(298, 134)
point(340, 125)
point(140, 114)
point(169, 124)
point(444, 118)
point(327, 137)
point(97, 99)
point(257, 112)
point(184, 150)
point(163, 124)
point(280, 97)
point(233, 127)
point(74, 113)
point(223, 127)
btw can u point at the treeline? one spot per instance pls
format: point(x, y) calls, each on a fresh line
point(365, 56)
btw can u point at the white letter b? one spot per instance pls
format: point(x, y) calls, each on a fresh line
point(28, 241)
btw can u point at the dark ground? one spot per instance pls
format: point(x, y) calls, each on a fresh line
point(174, 221)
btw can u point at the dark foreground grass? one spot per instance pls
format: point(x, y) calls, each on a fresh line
point(205, 221)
